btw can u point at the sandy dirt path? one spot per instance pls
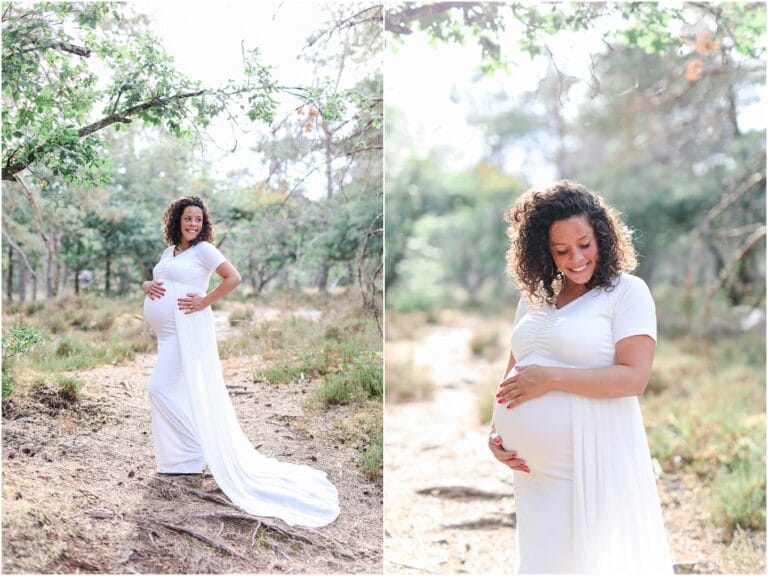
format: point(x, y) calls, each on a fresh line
point(449, 506)
point(80, 492)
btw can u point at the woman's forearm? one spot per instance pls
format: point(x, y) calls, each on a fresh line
point(610, 382)
point(628, 376)
point(225, 287)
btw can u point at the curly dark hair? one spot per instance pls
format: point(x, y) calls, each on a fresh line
point(529, 259)
point(172, 221)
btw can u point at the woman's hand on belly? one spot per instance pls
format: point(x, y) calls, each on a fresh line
point(153, 288)
point(527, 383)
point(508, 457)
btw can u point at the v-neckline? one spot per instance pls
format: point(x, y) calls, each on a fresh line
point(174, 255)
point(564, 306)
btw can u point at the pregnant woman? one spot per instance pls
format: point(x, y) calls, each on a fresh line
point(193, 422)
point(567, 418)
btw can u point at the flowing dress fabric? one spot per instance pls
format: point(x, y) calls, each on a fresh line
point(193, 421)
point(590, 503)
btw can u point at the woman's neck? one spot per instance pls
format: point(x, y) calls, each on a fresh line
point(573, 290)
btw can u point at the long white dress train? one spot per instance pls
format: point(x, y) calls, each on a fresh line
point(193, 421)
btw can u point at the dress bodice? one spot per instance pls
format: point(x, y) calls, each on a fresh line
point(584, 332)
point(193, 266)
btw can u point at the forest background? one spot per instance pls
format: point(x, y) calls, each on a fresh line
point(660, 108)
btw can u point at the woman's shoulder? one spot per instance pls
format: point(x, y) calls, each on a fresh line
point(206, 247)
point(209, 254)
point(628, 289)
point(626, 281)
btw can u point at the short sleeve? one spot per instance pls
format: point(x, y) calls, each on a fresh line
point(633, 312)
point(210, 256)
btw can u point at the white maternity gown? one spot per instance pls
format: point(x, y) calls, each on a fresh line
point(193, 422)
point(590, 503)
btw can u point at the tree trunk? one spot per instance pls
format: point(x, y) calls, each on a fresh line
point(54, 266)
point(23, 284)
point(285, 282)
point(108, 272)
point(124, 280)
point(9, 281)
point(322, 274)
point(48, 271)
point(77, 268)
point(321, 280)
point(67, 271)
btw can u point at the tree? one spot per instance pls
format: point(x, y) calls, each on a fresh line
point(55, 108)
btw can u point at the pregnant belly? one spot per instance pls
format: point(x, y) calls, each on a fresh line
point(539, 430)
point(159, 313)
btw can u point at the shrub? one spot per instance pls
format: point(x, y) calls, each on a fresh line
point(738, 497)
point(19, 340)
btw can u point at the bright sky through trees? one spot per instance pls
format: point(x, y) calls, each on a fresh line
point(206, 39)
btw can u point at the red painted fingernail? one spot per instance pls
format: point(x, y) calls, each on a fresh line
point(500, 401)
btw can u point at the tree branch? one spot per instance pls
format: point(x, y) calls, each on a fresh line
point(350, 22)
point(396, 22)
point(10, 170)
point(35, 209)
point(729, 199)
point(734, 259)
point(21, 252)
point(73, 49)
point(125, 115)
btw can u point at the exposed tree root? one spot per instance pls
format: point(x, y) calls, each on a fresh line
point(201, 537)
point(461, 492)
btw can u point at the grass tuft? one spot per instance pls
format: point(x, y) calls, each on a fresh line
point(373, 457)
point(360, 380)
point(69, 388)
point(744, 555)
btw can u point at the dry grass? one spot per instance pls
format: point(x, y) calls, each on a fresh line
point(707, 417)
point(329, 345)
point(407, 381)
point(80, 333)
